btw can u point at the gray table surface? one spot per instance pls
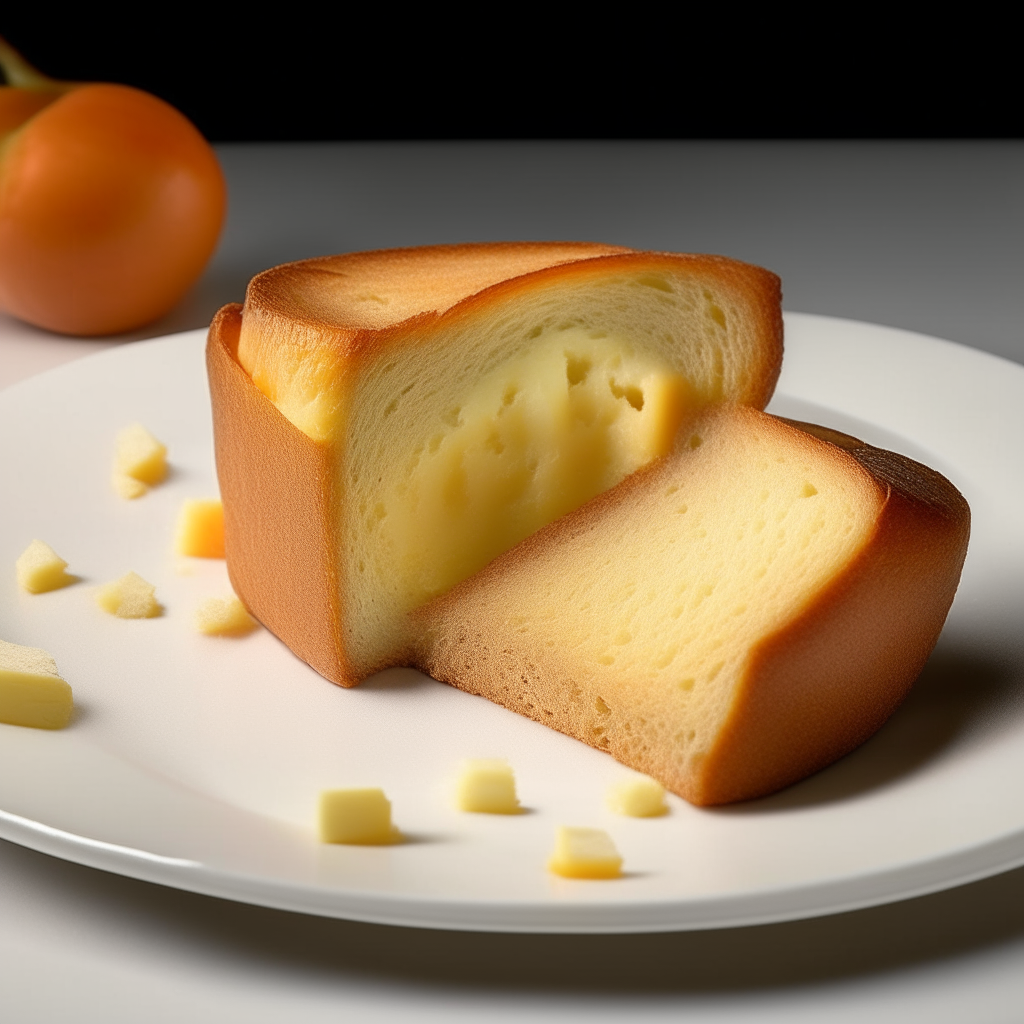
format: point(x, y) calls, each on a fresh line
point(924, 236)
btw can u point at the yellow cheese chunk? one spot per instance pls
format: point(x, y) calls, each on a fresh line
point(487, 787)
point(140, 461)
point(32, 692)
point(201, 528)
point(357, 817)
point(641, 797)
point(40, 569)
point(130, 597)
point(224, 616)
point(585, 853)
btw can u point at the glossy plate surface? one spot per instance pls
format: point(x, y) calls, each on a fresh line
point(196, 762)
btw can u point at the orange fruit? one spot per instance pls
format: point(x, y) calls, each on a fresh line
point(111, 204)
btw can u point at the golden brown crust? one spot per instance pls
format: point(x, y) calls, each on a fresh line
point(324, 293)
point(279, 494)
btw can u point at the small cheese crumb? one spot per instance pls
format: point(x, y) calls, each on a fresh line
point(224, 616)
point(641, 797)
point(585, 853)
point(201, 528)
point(32, 692)
point(128, 487)
point(140, 461)
point(487, 787)
point(130, 597)
point(359, 817)
point(40, 569)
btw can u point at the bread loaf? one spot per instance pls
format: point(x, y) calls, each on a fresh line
point(388, 423)
point(729, 619)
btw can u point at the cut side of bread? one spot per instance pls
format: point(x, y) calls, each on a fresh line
point(388, 423)
point(728, 620)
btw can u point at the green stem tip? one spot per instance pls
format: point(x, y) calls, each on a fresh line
point(22, 75)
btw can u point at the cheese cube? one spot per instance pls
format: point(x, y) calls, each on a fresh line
point(140, 461)
point(40, 569)
point(585, 853)
point(130, 597)
point(32, 692)
point(487, 787)
point(640, 797)
point(357, 817)
point(224, 616)
point(201, 528)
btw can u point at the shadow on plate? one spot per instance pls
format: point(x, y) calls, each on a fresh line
point(396, 679)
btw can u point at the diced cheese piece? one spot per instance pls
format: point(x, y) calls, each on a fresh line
point(639, 797)
point(40, 569)
point(31, 690)
point(487, 787)
point(139, 457)
point(224, 616)
point(585, 853)
point(130, 597)
point(359, 817)
point(201, 528)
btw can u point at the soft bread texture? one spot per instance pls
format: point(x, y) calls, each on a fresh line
point(364, 406)
point(728, 620)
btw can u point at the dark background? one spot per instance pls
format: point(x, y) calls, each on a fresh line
point(316, 74)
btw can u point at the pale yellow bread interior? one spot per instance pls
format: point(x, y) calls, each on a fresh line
point(388, 423)
point(728, 620)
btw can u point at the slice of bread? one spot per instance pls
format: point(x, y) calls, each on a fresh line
point(387, 423)
point(730, 619)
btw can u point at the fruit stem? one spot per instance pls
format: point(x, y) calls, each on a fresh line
point(22, 75)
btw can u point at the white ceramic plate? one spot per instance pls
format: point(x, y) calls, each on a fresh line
point(196, 762)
